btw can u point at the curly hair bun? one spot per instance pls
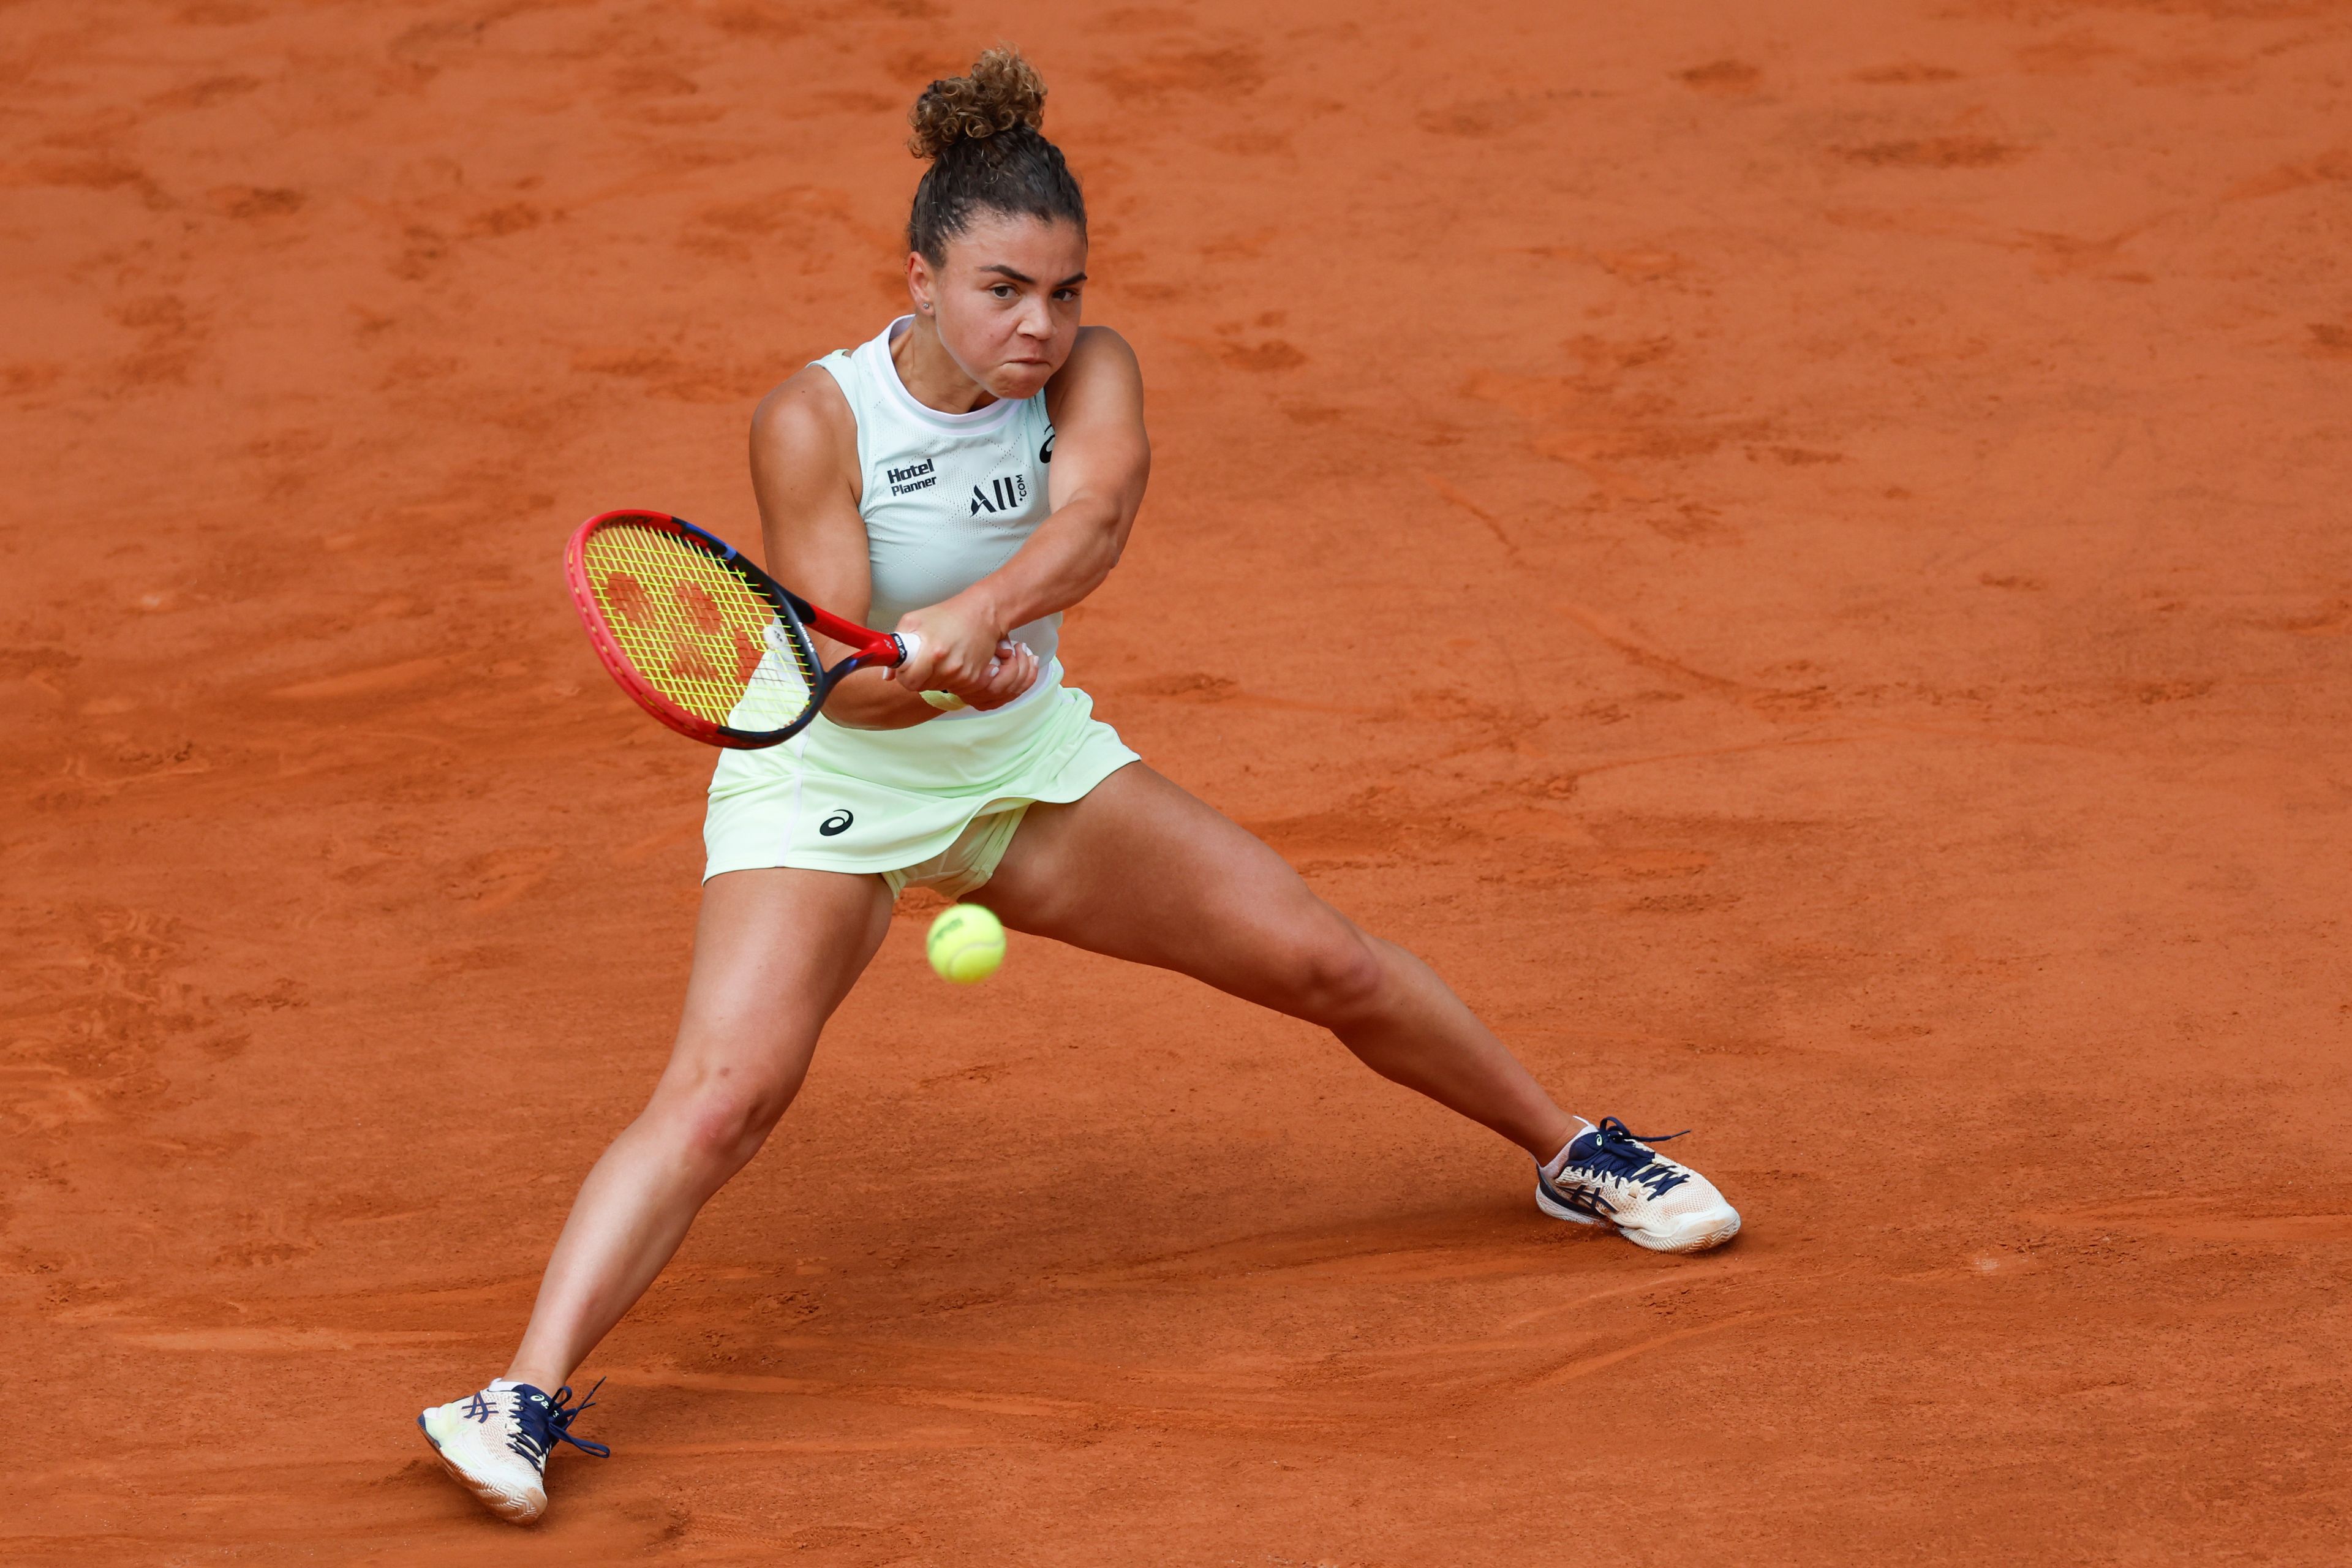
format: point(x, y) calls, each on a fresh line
point(986, 154)
point(1003, 90)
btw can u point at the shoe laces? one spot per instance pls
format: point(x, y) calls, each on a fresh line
point(1624, 1158)
point(542, 1422)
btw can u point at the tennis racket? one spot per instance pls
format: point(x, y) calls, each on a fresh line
point(705, 641)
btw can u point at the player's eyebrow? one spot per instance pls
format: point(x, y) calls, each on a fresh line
point(999, 266)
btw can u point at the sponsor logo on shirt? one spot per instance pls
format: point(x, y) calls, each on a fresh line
point(916, 476)
point(1046, 452)
point(1000, 495)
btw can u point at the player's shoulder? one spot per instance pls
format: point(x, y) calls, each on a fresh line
point(806, 415)
point(1101, 344)
point(1102, 361)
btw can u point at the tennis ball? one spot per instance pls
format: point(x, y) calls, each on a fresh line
point(966, 945)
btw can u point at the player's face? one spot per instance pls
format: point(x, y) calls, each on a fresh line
point(1005, 299)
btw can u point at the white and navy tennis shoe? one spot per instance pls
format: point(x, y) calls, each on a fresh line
point(1608, 1176)
point(496, 1443)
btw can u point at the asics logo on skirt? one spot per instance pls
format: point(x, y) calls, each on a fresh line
point(837, 824)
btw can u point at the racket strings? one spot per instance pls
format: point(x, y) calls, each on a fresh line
point(696, 631)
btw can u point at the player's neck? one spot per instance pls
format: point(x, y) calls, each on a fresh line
point(930, 375)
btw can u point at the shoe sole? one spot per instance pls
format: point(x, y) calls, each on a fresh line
point(1713, 1232)
point(505, 1505)
point(1717, 1230)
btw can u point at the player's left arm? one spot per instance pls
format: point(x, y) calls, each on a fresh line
point(1102, 458)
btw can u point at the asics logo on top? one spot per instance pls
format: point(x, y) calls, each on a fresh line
point(914, 477)
point(1001, 494)
point(837, 824)
point(1046, 452)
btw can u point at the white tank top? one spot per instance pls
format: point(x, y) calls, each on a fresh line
point(946, 498)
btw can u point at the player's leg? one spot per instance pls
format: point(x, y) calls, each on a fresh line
point(1140, 870)
point(774, 953)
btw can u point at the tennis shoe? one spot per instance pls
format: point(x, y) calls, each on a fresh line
point(1606, 1175)
point(496, 1443)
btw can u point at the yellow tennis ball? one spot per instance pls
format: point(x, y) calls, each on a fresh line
point(966, 945)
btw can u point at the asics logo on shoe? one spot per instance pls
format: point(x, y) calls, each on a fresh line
point(1575, 1198)
point(477, 1409)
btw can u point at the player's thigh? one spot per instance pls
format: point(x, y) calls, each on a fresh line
point(775, 951)
point(1140, 870)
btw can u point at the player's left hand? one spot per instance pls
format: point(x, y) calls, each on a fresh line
point(1016, 672)
point(960, 652)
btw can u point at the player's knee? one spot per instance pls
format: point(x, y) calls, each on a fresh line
point(721, 1124)
point(1337, 979)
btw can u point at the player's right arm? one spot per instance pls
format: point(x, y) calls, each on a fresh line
point(804, 474)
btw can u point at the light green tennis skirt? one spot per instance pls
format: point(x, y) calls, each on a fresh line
point(933, 806)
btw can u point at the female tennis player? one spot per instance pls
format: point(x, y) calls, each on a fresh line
point(967, 475)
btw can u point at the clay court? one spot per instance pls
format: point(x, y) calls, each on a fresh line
point(1789, 550)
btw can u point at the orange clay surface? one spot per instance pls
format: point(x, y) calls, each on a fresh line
point(1797, 552)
